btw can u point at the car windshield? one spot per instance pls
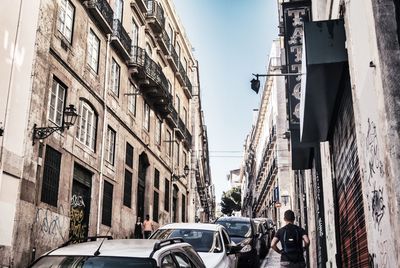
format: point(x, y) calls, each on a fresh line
point(201, 240)
point(92, 262)
point(237, 229)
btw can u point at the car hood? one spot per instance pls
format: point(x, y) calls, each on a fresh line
point(212, 260)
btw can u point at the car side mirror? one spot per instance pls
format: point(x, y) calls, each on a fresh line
point(234, 249)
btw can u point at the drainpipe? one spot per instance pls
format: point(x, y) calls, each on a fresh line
point(103, 138)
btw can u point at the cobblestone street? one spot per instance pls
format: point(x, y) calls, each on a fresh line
point(272, 260)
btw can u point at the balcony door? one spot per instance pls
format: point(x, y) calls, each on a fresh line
point(119, 4)
point(143, 165)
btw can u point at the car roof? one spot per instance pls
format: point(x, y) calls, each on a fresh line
point(234, 219)
point(140, 248)
point(197, 226)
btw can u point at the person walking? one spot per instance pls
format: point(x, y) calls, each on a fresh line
point(148, 227)
point(291, 237)
point(138, 233)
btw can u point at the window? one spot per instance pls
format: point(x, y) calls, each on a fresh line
point(51, 176)
point(146, 121)
point(129, 155)
point(119, 4)
point(168, 143)
point(185, 116)
point(184, 160)
point(158, 132)
point(149, 51)
point(87, 126)
point(66, 19)
point(169, 87)
point(114, 79)
point(178, 50)
point(182, 259)
point(128, 188)
point(177, 149)
point(135, 34)
point(132, 100)
point(107, 204)
point(156, 178)
point(183, 208)
point(171, 33)
point(57, 100)
point(178, 104)
point(186, 64)
point(155, 206)
point(93, 51)
point(110, 145)
point(166, 195)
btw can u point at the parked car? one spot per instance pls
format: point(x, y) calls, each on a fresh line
point(243, 231)
point(264, 238)
point(269, 225)
point(211, 241)
point(123, 253)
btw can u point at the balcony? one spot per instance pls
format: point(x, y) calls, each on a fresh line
point(173, 59)
point(152, 82)
point(164, 42)
point(181, 130)
point(155, 16)
point(140, 4)
point(188, 85)
point(101, 11)
point(120, 40)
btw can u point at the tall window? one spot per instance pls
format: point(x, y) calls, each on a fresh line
point(149, 51)
point(128, 188)
point(57, 99)
point(132, 100)
point(185, 116)
point(106, 216)
point(158, 132)
point(93, 51)
point(178, 50)
point(135, 34)
point(51, 176)
point(186, 64)
point(169, 87)
point(66, 19)
point(156, 202)
point(118, 9)
point(177, 149)
point(110, 145)
point(128, 175)
point(184, 160)
point(168, 143)
point(166, 195)
point(171, 33)
point(156, 178)
point(114, 79)
point(183, 208)
point(178, 104)
point(146, 116)
point(87, 126)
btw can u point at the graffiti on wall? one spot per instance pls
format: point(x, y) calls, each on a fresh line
point(50, 224)
point(377, 207)
point(375, 165)
point(78, 226)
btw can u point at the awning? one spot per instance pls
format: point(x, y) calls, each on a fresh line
point(324, 64)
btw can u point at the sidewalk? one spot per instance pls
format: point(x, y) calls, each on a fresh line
point(272, 260)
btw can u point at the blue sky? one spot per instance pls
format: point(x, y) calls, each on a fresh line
point(232, 40)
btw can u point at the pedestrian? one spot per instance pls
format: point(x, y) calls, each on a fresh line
point(148, 227)
point(138, 228)
point(291, 237)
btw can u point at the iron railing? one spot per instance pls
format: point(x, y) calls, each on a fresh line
point(138, 56)
point(155, 10)
point(105, 9)
point(120, 32)
point(166, 39)
point(154, 71)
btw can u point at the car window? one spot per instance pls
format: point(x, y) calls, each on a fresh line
point(218, 244)
point(201, 240)
point(168, 262)
point(182, 260)
point(92, 262)
point(225, 238)
point(237, 229)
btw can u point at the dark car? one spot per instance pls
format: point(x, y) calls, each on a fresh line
point(264, 237)
point(243, 231)
point(269, 226)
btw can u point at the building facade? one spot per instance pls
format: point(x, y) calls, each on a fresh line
point(128, 70)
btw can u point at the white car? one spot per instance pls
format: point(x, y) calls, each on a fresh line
point(123, 253)
point(211, 241)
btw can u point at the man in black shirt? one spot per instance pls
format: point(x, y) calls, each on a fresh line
point(291, 237)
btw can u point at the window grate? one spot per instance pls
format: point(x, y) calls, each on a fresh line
point(166, 195)
point(155, 206)
point(107, 204)
point(128, 188)
point(51, 176)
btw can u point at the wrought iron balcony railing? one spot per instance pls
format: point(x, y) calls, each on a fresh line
point(138, 56)
point(123, 41)
point(156, 15)
point(102, 12)
point(154, 71)
point(164, 41)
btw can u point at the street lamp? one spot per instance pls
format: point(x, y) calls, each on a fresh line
point(255, 83)
point(69, 118)
point(176, 177)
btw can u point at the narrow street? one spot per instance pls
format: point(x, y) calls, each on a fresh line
point(272, 260)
